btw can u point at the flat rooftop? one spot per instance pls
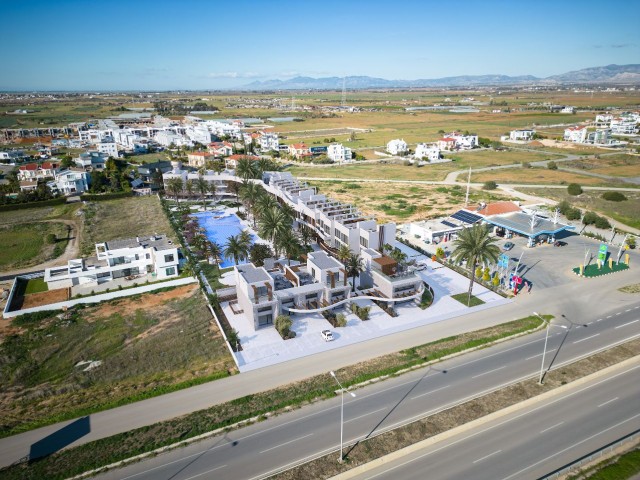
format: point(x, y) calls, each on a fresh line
point(253, 274)
point(159, 242)
point(324, 261)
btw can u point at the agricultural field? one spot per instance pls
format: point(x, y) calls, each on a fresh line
point(122, 218)
point(627, 211)
point(45, 358)
point(537, 175)
point(25, 245)
point(393, 202)
point(620, 165)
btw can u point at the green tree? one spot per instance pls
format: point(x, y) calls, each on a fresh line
point(288, 243)
point(247, 168)
point(283, 325)
point(354, 267)
point(51, 238)
point(249, 194)
point(235, 249)
point(273, 224)
point(174, 185)
point(552, 165)
point(490, 185)
point(189, 188)
point(475, 245)
point(306, 236)
point(574, 189)
point(202, 187)
point(258, 253)
point(343, 254)
point(246, 240)
point(214, 251)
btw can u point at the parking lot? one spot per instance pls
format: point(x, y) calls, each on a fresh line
point(547, 266)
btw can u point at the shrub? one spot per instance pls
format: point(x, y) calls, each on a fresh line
point(439, 252)
point(552, 165)
point(589, 218)
point(363, 313)
point(490, 185)
point(614, 196)
point(495, 281)
point(283, 325)
point(526, 165)
point(631, 241)
point(478, 272)
point(51, 238)
point(573, 214)
point(234, 339)
point(574, 189)
point(485, 275)
point(602, 222)
point(341, 320)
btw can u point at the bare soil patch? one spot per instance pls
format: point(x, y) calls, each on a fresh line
point(42, 298)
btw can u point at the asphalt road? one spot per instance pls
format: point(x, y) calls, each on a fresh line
point(261, 449)
point(533, 443)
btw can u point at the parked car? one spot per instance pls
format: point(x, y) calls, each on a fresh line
point(327, 335)
point(559, 243)
point(508, 246)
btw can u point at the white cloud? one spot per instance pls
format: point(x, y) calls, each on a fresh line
point(235, 75)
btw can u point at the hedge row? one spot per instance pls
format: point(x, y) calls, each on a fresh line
point(104, 196)
point(44, 203)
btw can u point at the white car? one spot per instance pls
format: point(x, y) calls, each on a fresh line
point(327, 335)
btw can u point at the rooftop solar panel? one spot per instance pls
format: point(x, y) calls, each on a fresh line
point(448, 224)
point(466, 217)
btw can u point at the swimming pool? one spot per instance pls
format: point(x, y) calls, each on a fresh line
point(218, 227)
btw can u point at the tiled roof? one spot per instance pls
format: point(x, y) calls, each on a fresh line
point(29, 166)
point(499, 208)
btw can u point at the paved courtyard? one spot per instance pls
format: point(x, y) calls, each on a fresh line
point(265, 346)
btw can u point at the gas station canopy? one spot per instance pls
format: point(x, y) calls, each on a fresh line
point(527, 225)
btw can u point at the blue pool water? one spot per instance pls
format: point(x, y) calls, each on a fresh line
point(219, 226)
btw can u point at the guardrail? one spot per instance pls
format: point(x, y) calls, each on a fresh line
point(595, 455)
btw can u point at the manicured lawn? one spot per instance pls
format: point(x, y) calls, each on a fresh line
point(593, 270)
point(36, 285)
point(213, 274)
point(464, 297)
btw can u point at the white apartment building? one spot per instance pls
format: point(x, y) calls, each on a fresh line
point(199, 159)
point(601, 136)
point(33, 171)
point(464, 142)
point(92, 160)
point(575, 134)
point(268, 142)
point(568, 109)
point(339, 153)
point(199, 133)
point(523, 135)
point(428, 151)
point(109, 148)
point(220, 180)
point(624, 125)
point(397, 147)
point(220, 129)
point(155, 255)
point(603, 120)
point(167, 138)
point(71, 181)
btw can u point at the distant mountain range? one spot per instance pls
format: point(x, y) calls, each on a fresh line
point(608, 74)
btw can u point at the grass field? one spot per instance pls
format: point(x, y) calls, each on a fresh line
point(36, 285)
point(66, 211)
point(463, 298)
point(627, 212)
point(148, 158)
point(23, 245)
point(402, 202)
point(621, 165)
point(537, 175)
point(131, 337)
point(123, 218)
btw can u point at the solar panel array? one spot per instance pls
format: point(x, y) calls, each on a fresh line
point(448, 224)
point(466, 217)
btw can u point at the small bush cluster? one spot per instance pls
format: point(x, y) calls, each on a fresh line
point(591, 218)
point(490, 185)
point(568, 211)
point(283, 326)
point(614, 196)
point(574, 189)
point(361, 312)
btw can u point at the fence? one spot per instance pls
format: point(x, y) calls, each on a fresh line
point(593, 456)
point(95, 298)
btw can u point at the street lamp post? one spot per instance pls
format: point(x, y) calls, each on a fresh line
point(544, 351)
point(342, 390)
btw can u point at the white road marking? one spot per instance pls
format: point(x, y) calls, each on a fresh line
point(587, 338)
point(486, 456)
point(552, 426)
point(362, 416)
point(589, 323)
point(608, 402)
point(286, 443)
point(540, 354)
point(599, 320)
point(619, 313)
point(490, 371)
point(204, 473)
point(625, 324)
point(628, 309)
point(430, 392)
point(609, 316)
point(519, 472)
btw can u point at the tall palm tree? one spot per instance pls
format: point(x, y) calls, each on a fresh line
point(343, 254)
point(214, 250)
point(288, 243)
point(265, 165)
point(273, 224)
point(213, 189)
point(202, 186)
point(234, 187)
point(264, 203)
point(174, 185)
point(246, 240)
point(354, 267)
point(249, 193)
point(475, 245)
point(189, 187)
point(234, 248)
point(246, 169)
point(306, 235)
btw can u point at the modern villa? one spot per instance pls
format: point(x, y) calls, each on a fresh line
point(155, 255)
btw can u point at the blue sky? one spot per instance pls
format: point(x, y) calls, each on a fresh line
point(192, 44)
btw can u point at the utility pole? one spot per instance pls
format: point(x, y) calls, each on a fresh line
point(466, 198)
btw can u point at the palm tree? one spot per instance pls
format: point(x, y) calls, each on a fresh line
point(289, 245)
point(174, 185)
point(249, 193)
point(246, 240)
point(265, 165)
point(354, 267)
point(475, 245)
point(202, 186)
point(235, 188)
point(188, 188)
point(247, 169)
point(273, 224)
point(306, 235)
point(236, 249)
point(264, 203)
point(214, 250)
point(213, 189)
point(343, 254)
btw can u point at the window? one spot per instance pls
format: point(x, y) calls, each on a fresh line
point(265, 320)
point(168, 258)
point(147, 256)
point(364, 242)
point(170, 271)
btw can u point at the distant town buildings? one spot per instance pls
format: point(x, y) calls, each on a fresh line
point(575, 134)
point(523, 135)
point(397, 147)
point(429, 151)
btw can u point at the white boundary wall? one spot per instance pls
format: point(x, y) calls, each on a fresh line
point(96, 298)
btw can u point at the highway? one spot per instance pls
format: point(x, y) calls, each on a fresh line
point(532, 443)
point(266, 447)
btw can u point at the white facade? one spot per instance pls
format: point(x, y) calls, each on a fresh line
point(397, 147)
point(599, 137)
point(625, 125)
point(155, 255)
point(603, 120)
point(568, 110)
point(92, 160)
point(521, 135)
point(575, 134)
point(464, 142)
point(268, 142)
point(167, 138)
point(428, 151)
point(199, 133)
point(71, 181)
point(108, 148)
point(339, 153)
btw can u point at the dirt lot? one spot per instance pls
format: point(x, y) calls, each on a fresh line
point(621, 165)
point(536, 175)
point(42, 298)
